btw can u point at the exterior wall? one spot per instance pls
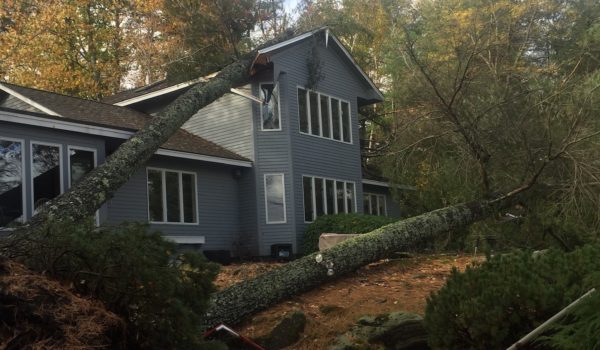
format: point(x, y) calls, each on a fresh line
point(217, 196)
point(14, 103)
point(311, 155)
point(393, 207)
point(64, 139)
point(226, 122)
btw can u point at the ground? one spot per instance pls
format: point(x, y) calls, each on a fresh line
point(385, 286)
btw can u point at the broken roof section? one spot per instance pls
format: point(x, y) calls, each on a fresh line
point(67, 109)
point(164, 87)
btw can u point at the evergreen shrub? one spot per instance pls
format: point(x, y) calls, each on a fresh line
point(340, 223)
point(137, 274)
point(493, 305)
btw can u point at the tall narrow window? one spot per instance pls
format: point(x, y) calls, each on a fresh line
point(275, 198)
point(315, 124)
point(339, 190)
point(350, 197)
point(335, 117)
point(346, 122)
point(308, 198)
point(269, 94)
point(303, 110)
point(11, 181)
point(81, 162)
point(330, 195)
point(45, 173)
point(319, 198)
point(171, 196)
point(325, 118)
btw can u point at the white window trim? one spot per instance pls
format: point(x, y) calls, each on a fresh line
point(262, 105)
point(314, 197)
point(378, 196)
point(340, 100)
point(164, 197)
point(284, 201)
point(60, 162)
point(87, 149)
point(23, 173)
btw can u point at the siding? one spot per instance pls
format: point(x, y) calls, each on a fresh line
point(14, 103)
point(217, 193)
point(312, 155)
point(226, 122)
point(64, 138)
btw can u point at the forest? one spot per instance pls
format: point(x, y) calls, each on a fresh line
point(491, 114)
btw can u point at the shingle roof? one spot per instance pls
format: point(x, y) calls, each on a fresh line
point(127, 94)
point(124, 118)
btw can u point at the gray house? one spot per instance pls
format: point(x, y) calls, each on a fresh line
point(245, 173)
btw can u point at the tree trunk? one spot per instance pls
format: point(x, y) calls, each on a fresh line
point(100, 184)
point(234, 303)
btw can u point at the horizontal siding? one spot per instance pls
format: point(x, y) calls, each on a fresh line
point(28, 134)
point(226, 122)
point(15, 103)
point(217, 193)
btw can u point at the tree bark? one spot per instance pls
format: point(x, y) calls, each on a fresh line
point(236, 302)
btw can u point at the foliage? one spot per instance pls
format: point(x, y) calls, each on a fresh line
point(492, 305)
point(340, 223)
point(137, 275)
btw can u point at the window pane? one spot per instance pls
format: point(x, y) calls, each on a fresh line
point(274, 188)
point(367, 203)
point(189, 197)
point(270, 108)
point(45, 173)
point(346, 121)
point(330, 193)
point(381, 205)
point(314, 114)
point(335, 116)
point(325, 116)
point(340, 196)
point(155, 205)
point(308, 202)
point(320, 209)
point(374, 205)
point(81, 162)
point(302, 110)
point(350, 196)
point(172, 188)
point(11, 181)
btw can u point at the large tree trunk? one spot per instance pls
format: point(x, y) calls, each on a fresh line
point(234, 303)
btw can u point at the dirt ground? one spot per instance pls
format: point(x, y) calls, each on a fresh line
point(382, 287)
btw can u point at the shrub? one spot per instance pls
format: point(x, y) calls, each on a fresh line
point(493, 305)
point(137, 275)
point(340, 223)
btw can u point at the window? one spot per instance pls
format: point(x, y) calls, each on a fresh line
point(270, 111)
point(374, 204)
point(46, 173)
point(171, 196)
point(275, 198)
point(327, 196)
point(324, 116)
point(81, 162)
point(11, 181)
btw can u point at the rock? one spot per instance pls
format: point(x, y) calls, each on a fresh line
point(397, 331)
point(286, 333)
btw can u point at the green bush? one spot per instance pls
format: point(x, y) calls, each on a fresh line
point(137, 275)
point(340, 223)
point(493, 305)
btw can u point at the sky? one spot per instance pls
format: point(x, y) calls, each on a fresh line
point(289, 6)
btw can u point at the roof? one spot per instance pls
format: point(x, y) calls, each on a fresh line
point(162, 87)
point(94, 113)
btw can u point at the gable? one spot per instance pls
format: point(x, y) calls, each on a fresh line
point(9, 101)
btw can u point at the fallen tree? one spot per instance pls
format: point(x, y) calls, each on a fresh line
point(234, 303)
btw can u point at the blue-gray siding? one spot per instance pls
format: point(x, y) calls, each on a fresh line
point(30, 134)
point(12, 102)
point(226, 122)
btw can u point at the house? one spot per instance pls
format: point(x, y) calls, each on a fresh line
point(247, 172)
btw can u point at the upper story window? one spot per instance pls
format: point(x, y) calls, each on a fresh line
point(171, 196)
point(327, 196)
point(269, 110)
point(12, 189)
point(324, 116)
point(374, 204)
